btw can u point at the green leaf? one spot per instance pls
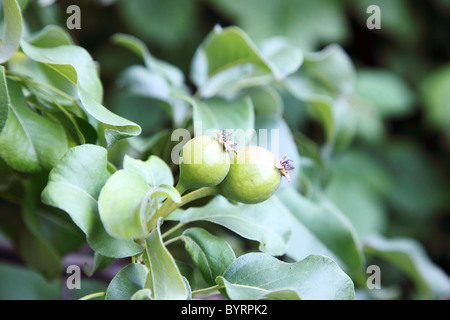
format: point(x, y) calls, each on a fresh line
point(36, 249)
point(161, 111)
point(240, 69)
point(331, 68)
point(166, 191)
point(39, 77)
point(119, 205)
point(265, 99)
point(211, 254)
point(4, 99)
point(410, 257)
point(236, 117)
point(435, 93)
point(189, 272)
point(100, 263)
point(306, 24)
point(83, 169)
point(74, 186)
point(365, 167)
point(127, 282)
point(389, 92)
point(154, 170)
point(326, 84)
point(171, 73)
point(145, 18)
point(228, 82)
point(164, 278)
point(225, 47)
point(259, 275)
point(143, 294)
point(363, 208)
point(29, 142)
point(328, 225)
point(358, 185)
point(141, 81)
point(266, 222)
point(304, 242)
point(227, 50)
point(420, 188)
point(285, 58)
point(75, 63)
point(39, 255)
point(158, 81)
point(319, 104)
point(246, 292)
point(127, 202)
point(12, 30)
point(51, 36)
point(20, 283)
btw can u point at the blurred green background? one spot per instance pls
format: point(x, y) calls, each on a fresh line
point(397, 170)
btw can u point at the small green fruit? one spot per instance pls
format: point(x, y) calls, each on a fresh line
point(204, 162)
point(255, 174)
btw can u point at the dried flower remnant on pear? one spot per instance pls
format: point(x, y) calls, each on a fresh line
point(284, 166)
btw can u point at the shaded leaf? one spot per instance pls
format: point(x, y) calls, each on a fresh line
point(328, 225)
point(4, 99)
point(100, 263)
point(410, 257)
point(127, 282)
point(37, 250)
point(19, 283)
point(435, 92)
point(265, 99)
point(331, 68)
point(211, 254)
point(12, 30)
point(389, 92)
point(265, 222)
point(146, 18)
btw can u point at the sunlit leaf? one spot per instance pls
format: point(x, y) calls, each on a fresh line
point(74, 186)
point(29, 142)
point(259, 275)
point(76, 64)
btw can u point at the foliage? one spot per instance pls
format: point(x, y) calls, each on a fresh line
point(87, 138)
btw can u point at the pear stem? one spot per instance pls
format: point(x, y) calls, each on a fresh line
point(169, 205)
